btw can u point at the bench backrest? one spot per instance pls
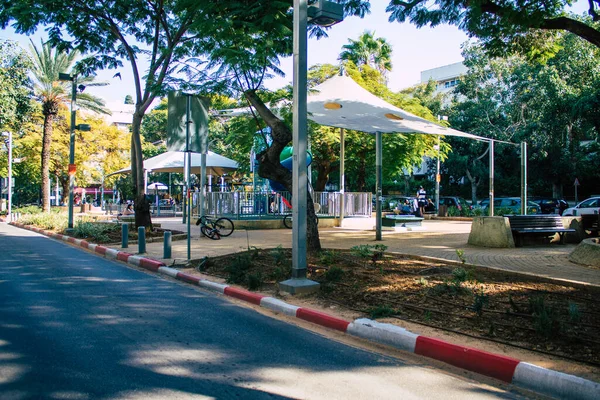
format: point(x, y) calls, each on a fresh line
point(535, 221)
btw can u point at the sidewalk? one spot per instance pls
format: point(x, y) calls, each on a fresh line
point(438, 239)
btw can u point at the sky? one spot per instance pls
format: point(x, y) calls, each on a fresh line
point(414, 50)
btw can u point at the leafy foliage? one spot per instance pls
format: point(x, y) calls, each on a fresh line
point(16, 86)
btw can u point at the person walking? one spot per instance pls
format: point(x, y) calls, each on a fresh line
point(422, 198)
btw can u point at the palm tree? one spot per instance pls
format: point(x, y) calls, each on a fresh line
point(54, 94)
point(368, 50)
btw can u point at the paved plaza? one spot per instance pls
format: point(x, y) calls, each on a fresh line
point(437, 239)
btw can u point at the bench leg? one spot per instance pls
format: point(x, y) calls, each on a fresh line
point(561, 236)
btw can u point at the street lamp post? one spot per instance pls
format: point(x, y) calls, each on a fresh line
point(72, 167)
point(82, 127)
point(325, 13)
point(9, 200)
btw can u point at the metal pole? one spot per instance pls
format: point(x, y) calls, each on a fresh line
point(102, 194)
point(342, 175)
point(56, 202)
point(202, 181)
point(378, 179)
point(437, 179)
point(299, 141)
point(188, 156)
point(491, 178)
point(9, 215)
point(72, 151)
point(524, 178)
point(299, 283)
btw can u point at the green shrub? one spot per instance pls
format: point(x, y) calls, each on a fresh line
point(381, 312)
point(328, 257)
point(51, 221)
point(334, 274)
point(28, 210)
point(453, 211)
point(238, 269)
point(279, 255)
point(255, 281)
point(545, 319)
point(367, 251)
point(480, 300)
point(97, 232)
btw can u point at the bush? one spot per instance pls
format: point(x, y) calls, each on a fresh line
point(381, 312)
point(334, 274)
point(98, 232)
point(28, 210)
point(52, 221)
point(238, 269)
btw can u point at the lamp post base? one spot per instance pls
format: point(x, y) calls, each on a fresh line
point(299, 286)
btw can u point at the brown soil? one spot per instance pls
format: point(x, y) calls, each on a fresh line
point(507, 312)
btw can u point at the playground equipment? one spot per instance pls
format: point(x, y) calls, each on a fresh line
point(286, 159)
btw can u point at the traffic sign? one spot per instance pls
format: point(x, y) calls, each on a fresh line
point(576, 182)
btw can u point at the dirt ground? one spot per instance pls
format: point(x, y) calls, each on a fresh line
point(531, 319)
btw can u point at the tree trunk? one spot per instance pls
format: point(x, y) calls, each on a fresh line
point(361, 181)
point(141, 204)
point(324, 169)
point(474, 184)
point(46, 142)
point(269, 166)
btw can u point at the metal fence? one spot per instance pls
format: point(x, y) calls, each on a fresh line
point(262, 205)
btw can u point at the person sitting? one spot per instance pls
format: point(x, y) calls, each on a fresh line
point(129, 210)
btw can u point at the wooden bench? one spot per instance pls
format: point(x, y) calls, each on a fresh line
point(537, 225)
point(591, 222)
point(401, 220)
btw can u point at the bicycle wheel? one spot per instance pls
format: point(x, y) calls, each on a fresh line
point(224, 226)
point(287, 221)
point(210, 232)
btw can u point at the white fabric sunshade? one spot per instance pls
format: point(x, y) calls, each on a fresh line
point(343, 103)
point(172, 161)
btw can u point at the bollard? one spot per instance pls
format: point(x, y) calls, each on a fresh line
point(141, 240)
point(167, 245)
point(125, 235)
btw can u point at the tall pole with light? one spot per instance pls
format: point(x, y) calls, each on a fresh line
point(324, 13)
point(82, 127)
point(9, 199)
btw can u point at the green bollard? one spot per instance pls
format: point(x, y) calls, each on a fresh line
point(167, 245)
point(141, 240)
point(125, 235)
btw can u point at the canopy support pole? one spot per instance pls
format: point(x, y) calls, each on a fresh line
point(378, 190)
point(524, 178)
point(342, 176)
point(491, 178)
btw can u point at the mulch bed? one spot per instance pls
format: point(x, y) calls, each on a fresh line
point(532, 313)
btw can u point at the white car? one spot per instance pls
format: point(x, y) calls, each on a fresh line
point(588, 206)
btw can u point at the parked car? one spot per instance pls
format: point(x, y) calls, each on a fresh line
point(588, 206)
point(551, 206)
point(457, 202)
point(400, 203)
point(511, 203)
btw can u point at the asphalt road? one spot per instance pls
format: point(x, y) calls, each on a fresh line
point(76, 326)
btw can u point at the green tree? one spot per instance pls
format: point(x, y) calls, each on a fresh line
point(128, 99)
point(54, 94)
point(154, 125)
point(111, 32)
point(16, 87)
point(524, 25)
point(368, 50)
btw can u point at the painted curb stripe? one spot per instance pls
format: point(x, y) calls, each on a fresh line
point(383, 333)
point(134, 260)
point(111, 254)
point(245, 295)
point(482, 362)
point(84, 244)
point(216, 287)
point(187, 278)
point(100, 250)
point(122, 256)
point(555, 384)
point(150, 264)
point(172, 272)
point(322, 319)
point(70, 239)
point(279, 306)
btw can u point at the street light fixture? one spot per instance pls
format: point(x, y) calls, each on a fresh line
point(325, 13)
point(9, 200)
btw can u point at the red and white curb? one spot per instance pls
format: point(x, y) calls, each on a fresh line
point(507, 369)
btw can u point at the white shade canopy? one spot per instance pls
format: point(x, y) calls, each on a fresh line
point(343, 103)
point(172, 161)
point(157, 186)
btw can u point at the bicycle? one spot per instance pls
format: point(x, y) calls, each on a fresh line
point(215, 228)
point(288, 219)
